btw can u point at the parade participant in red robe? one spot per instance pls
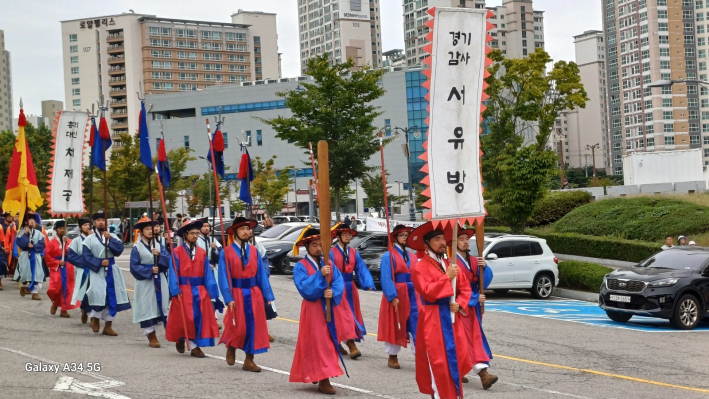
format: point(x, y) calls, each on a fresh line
point(61, 272)
point(317, 350)
point(348, 316)
point(398, 312)
point(241, 268)
point(7, 236)
point(478, 347)
point(191, 279)
point(442, 356)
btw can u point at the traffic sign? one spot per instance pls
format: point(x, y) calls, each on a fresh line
point(137, 204)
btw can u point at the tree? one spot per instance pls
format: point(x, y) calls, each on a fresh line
point(346, 194)
point(178, 159)
point(336, 108)
point(268, 187)
point(372, 186)
point(524, 96)
point(193, 206)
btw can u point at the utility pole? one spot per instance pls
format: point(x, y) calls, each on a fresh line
point(593, 158)
point(561, 155)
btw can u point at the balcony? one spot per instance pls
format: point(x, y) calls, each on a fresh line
point(117, 92)
point(117, 70)
point(114, 37)
point(120, 125)
point(119, 103)
point(117, 59)
point(119, 113)
point(116, 48)
point(117, 82)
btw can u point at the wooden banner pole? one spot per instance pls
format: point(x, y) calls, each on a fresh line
point(325, 216)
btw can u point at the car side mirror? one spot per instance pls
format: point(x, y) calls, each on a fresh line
point(363, 246)
point(491, 257)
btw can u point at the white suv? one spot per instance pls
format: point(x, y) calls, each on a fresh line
point(520, 262)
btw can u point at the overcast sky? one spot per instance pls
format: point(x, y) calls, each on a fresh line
point(33, 32)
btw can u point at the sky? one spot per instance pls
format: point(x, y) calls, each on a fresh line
point(33, 32)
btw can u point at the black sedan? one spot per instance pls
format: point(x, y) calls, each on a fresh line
point(278, 250)
point(371, 246)
point(672, 284)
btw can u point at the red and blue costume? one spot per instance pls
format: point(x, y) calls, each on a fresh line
point(61, 278)
point(478, 347)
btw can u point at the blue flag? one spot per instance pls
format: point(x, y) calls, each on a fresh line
point(101, 143)
point(146, 158)
point(246, 175)
point(163, 165)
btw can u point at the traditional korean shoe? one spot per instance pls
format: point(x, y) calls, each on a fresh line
point(22, 290)
point(354, 352)
point(487, 379)
point(36, 297)
point(153, 340)
point(230, 355)
point(465, 380)
point(394, 362)
point(249, 364)
point(180, 346)
point(220, 326)
point(95, 324)
point(107, 330)
point(64, 314)
point(325, 387)
point(196, 352)
point(270, 338)
point(84, 316)
point(53, 310)
point(343, 351)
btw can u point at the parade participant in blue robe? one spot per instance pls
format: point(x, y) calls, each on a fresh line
point(107, 293)
point(81, 273)
point(30, 241)
point(149, 263)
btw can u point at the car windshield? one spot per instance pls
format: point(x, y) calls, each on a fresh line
point(275, 231)
point(677, 260)
point(358, 240)
point(474, 248)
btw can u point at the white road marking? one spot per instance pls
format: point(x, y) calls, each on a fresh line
point(69, 384)
point(351, 388)
point(23, 311)
point(545, 390)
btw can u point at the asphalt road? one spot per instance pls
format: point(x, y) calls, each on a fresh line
point(535, 357)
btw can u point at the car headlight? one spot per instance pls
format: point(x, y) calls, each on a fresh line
point(273, 251)
point(665, 282)
point(604, 283)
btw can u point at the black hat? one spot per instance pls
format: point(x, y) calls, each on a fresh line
point(83, 221)
point(99, 215)
point(145, 222)
point(59, 224)
point(5, 214)
point(189, 225)
point(308, 234)
point(179, 215)
point(340, 228)
point(239, 222)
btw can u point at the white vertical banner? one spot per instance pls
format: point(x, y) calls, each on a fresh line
point(458, 62)
point(71, 131)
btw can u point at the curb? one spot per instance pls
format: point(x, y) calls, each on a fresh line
point(578, 295)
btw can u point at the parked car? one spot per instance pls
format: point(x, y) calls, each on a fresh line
point(306, 219)
point(284, 219)
point(672, 284)
point(371, 246)
point(72, 231)
point(277, 250)
point(277, 232)
point(218, 230)
point(520, 262)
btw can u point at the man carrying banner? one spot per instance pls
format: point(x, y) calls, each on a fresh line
point(31, 242)
point(107, 293)
point(398, 312)
point(61, 272)
point(245, 325)
point(442, 356)
point(213, 248)
point(317, 351)
point(193, 282)
point(81, 273)
point(149, 263)
point(478, 348)
point(348, 261)
point(7, 238)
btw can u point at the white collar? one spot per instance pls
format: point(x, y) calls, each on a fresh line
point(317, 264)
point(434, 256)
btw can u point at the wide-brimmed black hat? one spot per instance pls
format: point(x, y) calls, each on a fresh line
point(83, 221)
point(239, 222)
point(341, 228)
point(5, 214)
point(145, 222)
point(99, 215)
point(59, 224)
point(30, 214)
point(308, 234)
point(189, 225)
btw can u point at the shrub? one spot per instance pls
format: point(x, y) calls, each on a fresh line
point(556, 205)
point(583, 276)
point(640, 218)
point(598, 247)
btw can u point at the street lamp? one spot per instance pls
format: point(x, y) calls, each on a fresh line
point(593, 158)
point(666, 83)
point(407, 154)
point(209, 177)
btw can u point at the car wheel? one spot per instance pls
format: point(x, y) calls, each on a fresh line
point(687, 313)
point(618, 316)
point(285, 267)
point(542, 286)
point(501, 292)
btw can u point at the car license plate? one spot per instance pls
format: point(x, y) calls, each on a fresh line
point(620, 298)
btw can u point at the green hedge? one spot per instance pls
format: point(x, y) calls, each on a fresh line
point(591, 246)
point(640, 218)
point(582, 275)
point(556, 205)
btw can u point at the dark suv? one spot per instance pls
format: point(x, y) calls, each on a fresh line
point(672, 284)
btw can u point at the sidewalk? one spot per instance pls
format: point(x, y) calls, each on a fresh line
point(614, 264)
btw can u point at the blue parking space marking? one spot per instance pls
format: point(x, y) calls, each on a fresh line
point(582, 312)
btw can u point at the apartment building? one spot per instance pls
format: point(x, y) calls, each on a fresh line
point(345, 29)
point(6, 113)
point(518, 28)
point(648, 41)
point(50, 108)
point(116, 56)
point(582, 128)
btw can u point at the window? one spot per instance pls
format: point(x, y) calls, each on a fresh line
point(187, 76)
point(521, 248)
point(692, 102)
point(162, 64)
point(187, 65)
point(73, 49)
point(185, 55)
point(188, 33)
point(76, 102)
point(162, 86)
point(248, 138)
point(669, 140)
point(230, 36)
point(72, 37)
point(162, 75)
point(665, 52)
point(667, 115)
point(664, 40)
point(686, 14)
point(502, 250)
point(662, 14)
point(187, 142)
point(693, 139)
point(668, 128)
point(650, 141)
point(689, 52)
point(74, 81)
point(259, 138)
point(75, 59)
point(75, 92)
point(187, 87)
point(74, 70)
point(248, 107)
point(160, 43)
point(154, 31)
point(226, 140)
point(691, 89)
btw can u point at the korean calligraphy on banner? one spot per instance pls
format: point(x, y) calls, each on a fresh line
point(71, 130)
point(458, 61)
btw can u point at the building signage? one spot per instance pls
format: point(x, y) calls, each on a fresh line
point(352, 9)
point(91, 23)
